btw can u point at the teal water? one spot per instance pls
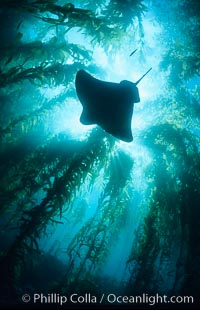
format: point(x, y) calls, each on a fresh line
point(81, 211)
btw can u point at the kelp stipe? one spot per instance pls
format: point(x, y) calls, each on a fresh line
point(93, 243)
point(64, 189)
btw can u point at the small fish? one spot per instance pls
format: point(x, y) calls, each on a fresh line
point(133, 52)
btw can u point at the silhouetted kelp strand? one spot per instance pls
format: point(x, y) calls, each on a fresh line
point(37, 218)
point(125, 12)
point(30, 169)
point(149, 243)
point(69, 16)
point(120, 14)
point(32, 176)
point(63, 12)
point(46, 73)
point(176, 215)
point(26, 122)
point(38, 51)
point(98, 247)
point(103, 228)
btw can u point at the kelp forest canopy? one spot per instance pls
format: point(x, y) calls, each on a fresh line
point(80, 210)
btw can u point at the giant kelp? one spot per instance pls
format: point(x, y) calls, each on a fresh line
point(183, 54)
point(34, 220)
point(69, 16)
point(39, 52)
point(89, 248)
point(167, 224)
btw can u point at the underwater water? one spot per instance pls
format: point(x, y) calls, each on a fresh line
point(88, 220)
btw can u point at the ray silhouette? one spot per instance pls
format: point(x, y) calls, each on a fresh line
point(109, 105)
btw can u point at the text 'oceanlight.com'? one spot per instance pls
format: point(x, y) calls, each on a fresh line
point(88, 298)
